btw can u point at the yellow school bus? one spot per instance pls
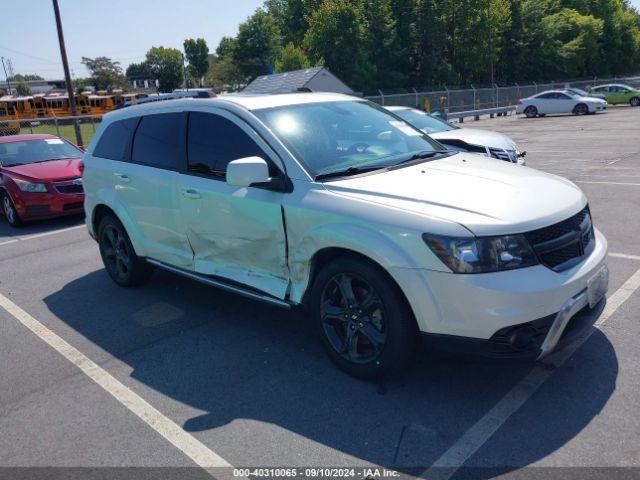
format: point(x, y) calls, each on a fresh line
point(19, 107)
point(8, 124)
point(101, 104)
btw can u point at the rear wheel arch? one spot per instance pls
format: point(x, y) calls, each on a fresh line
point(99, 212)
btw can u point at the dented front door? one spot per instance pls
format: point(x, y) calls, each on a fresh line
point(235, 233)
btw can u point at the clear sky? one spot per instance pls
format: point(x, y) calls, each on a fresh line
point(120, 29)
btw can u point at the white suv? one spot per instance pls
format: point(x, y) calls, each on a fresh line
point(336, 204)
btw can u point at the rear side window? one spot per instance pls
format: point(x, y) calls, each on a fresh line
point(157, 141)
point(116, 139)
point(213, 141)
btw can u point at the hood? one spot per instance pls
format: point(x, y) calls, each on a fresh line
point(486, 195)
point(476, 136)
point(49, 170)
point(592, 99)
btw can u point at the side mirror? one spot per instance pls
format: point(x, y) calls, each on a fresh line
point(245, 172)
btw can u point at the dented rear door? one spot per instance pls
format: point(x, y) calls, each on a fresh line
point(235, 233)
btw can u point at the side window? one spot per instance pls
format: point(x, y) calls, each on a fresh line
point(116, 139)
point(562, 96)
point(213, 141)
point(546, 96)
point(157, 141)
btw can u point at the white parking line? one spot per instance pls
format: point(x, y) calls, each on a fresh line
point(611, 183)
point(193, 448)
point(39, 235)
point(625, 255)
point(474, 438)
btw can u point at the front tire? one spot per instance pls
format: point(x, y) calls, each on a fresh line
point(531, 111)
point(119, 258)
point(363, 319)
point(9, 210)
point(580, 109)
point(635, 102)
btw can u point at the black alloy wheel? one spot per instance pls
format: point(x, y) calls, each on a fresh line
point(364, 321)
point(353, 318)
point(119, 258)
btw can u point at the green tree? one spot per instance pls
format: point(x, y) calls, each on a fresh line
point(257, 45)
point(336, 38)
point(26, 78)
point(138, 71)
point(105, 73)
point(572, 42)
point(166, 65)
point(197, 53)
point(292, 58)
point(22, 88)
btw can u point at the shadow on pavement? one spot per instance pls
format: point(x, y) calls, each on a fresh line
point(236, 359)
point(7, 232)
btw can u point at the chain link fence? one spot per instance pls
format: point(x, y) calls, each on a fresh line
point(451, 100)
point(59, 126)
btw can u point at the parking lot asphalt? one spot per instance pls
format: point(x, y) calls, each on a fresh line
point(83, 362)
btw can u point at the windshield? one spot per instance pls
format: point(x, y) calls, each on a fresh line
point(424, 121)
point(579, 92)
point(334, 136)
point(35, 151)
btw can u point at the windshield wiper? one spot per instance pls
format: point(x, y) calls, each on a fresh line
point(349, 171)
point(423, 155)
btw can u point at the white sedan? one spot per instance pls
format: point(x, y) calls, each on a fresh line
point(559, 101)
point(491, 144)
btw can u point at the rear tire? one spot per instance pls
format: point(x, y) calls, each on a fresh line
point(531, 111)
point(635, 102)
point(9, 210)
point(580, 109)
point(119, 258)
point(364, 321)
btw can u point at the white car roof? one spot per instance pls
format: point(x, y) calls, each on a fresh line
point(250, 102)
point(255, 102)
point(397, 108)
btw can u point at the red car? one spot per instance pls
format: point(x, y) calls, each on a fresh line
point(40, 177)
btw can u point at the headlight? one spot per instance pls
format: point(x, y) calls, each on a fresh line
point(30, 187)
point(482, 254)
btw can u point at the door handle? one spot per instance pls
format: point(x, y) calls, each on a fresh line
point(191, 193)
point(123, 178)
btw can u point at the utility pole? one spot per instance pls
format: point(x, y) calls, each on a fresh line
point(490, 40)
point(6, 77)
point(67, 76)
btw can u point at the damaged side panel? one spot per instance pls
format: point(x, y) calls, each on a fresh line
point(237, 234)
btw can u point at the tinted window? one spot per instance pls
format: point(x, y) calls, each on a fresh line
point(157, 141)
point(213, 141)
point(546, 95)
point(114, 142)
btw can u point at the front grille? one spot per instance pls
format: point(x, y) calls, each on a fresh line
point(69, 188)
point(499, 153)
point(564, 244)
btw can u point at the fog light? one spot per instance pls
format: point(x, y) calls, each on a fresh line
point(522, 338)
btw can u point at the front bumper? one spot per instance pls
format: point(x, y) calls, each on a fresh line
point(486, 309)
point(527, 341)
point(31, 206)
